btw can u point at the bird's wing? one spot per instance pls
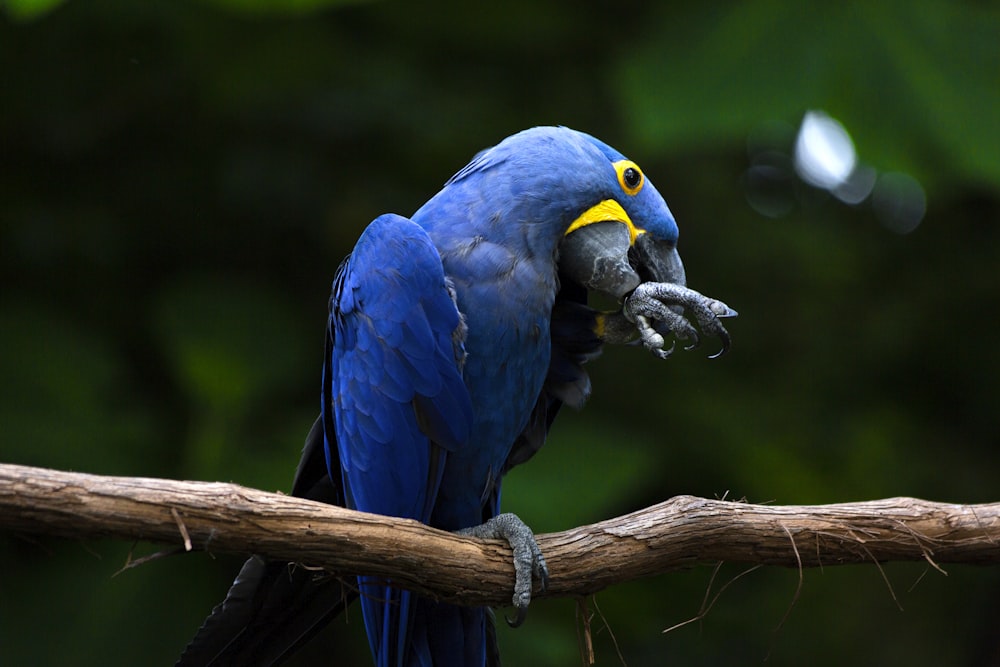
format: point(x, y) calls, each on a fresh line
point(394, 401)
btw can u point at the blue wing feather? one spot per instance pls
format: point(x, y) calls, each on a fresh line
point(394, 400)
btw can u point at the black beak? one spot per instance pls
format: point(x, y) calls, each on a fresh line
point(657, 261)
point(597, 257)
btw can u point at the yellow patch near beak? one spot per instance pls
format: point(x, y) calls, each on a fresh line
point(606, 211)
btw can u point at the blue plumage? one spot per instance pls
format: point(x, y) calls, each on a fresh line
point(393, 382)
point(396, 393)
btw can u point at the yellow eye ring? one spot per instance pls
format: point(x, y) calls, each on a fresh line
point(629, 176)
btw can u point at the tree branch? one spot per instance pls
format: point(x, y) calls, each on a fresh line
point(679, 533)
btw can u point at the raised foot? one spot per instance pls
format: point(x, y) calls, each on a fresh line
point(528, 560)
point(657, 308)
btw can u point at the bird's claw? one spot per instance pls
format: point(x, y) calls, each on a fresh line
point(652, 339)
point(528, 560)
point(657, 309)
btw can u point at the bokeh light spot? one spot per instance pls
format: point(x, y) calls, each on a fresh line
point(858, 185)
point(824, 152)
point(899, 202)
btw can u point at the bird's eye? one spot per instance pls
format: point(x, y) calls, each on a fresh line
point(629, 176)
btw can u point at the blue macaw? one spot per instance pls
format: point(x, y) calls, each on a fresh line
point(454, 337)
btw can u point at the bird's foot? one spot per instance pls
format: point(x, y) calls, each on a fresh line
point(656, 309)
point(528, 560)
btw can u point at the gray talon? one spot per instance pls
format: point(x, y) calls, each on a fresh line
point(519, 616)
point(657, 309)
point(720, 309)
point(528, 560)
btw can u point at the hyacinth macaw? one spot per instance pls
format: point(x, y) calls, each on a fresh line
point(454, 337)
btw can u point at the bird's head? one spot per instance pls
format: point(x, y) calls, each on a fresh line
point(627, 237)
point(613, 228)
point(571, 195)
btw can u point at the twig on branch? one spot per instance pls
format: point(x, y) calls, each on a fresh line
point(678, 533)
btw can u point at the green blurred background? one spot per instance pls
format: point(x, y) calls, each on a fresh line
point(180, 179)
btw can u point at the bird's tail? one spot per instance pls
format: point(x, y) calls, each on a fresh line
point(274, 607)
point(271, 610)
